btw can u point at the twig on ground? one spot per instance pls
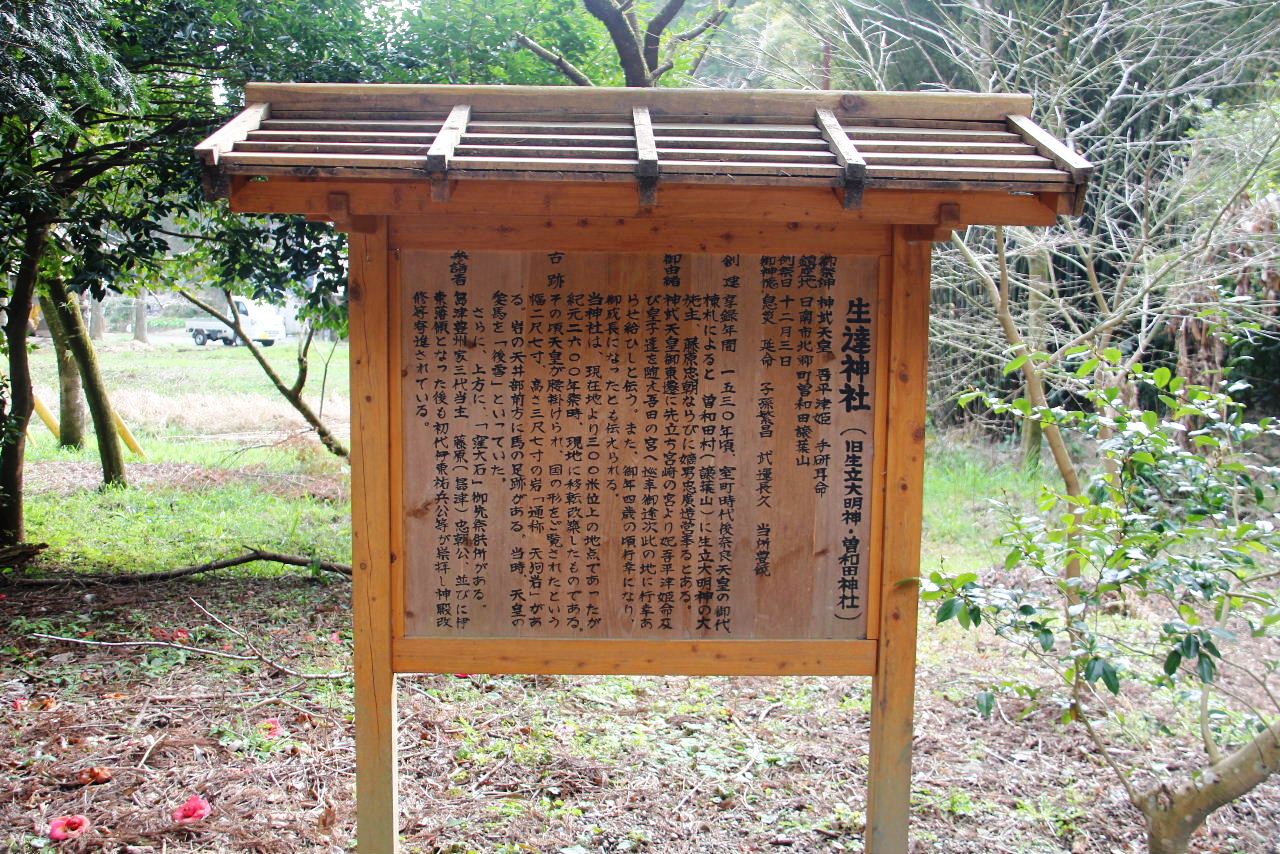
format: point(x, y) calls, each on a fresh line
point(251, 556)
point(257, 654)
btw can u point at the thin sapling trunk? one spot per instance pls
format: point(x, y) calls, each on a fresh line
point(70, 390)
point(110, 451)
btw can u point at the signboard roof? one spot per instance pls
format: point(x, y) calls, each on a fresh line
point(847, 140)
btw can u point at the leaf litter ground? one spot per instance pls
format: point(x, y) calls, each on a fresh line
point(507, 764)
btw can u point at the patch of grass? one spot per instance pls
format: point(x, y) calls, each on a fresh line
point(214, 368)
point(143, 530)
point(960, 522)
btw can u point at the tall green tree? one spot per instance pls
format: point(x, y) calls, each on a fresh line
point(96, 129)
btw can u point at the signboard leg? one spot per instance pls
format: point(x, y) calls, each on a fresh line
point(893, 686)
point(377, 819)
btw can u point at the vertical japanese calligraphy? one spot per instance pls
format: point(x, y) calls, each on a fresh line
point(637, 445)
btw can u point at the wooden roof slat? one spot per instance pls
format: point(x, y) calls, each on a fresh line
point(1052, 176)
point(225, 138)
point(857, 132)
point(646, 148)
point(855, 168)
point(280, 158)
point(1032, 161)
point(1048, 145)
point(900, 145)
point(339, 135)
point(567, 151)
point(551, 125)
point(647, 164)
point(591, 140)
point(423, 126)
point(798, 143)
point(747, 155)
point(441, 151)
point(520, 164)
point(736, 130)
point(335, 147)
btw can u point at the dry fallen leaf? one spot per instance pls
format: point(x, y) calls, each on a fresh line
point(93, 776)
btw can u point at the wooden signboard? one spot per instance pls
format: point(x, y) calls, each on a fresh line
point(652, 445)
point(638, 377)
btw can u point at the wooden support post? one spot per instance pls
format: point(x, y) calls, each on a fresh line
point(647, 166)
point(893, 686)
point(855, 168)
point(377, 819)
point(442, 148)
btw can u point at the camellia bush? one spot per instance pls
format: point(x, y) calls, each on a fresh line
point(1160, 579)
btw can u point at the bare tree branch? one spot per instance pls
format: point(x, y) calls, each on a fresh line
point(567, 68)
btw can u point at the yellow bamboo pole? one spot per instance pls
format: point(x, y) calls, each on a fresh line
point(47, 417)
point(127, 436)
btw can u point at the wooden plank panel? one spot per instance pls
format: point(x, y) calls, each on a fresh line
point(375, 707)
point(222, 140)
point(893, 688)
point(393, 97)
point(632, 657)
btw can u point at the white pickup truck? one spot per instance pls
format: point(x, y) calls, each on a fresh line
point(262, 323)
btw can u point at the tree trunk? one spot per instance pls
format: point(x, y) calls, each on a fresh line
point(97, 320)
point(140, 317)
point(1175, 813)
point(70, 392)
point(293, 393)
point(18, 399)
point(95, 392)
point(1039, 270)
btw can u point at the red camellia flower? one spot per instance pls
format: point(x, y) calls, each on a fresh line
point(271, 728)
point(195, 809)
point(68, 827)
point(181, 636)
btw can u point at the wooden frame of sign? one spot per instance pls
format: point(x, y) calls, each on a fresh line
point(620, 426)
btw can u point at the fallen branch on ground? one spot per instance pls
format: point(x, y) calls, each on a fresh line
point(255, 653)
point(251, 556)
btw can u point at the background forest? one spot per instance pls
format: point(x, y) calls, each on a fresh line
point(1102, 472)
